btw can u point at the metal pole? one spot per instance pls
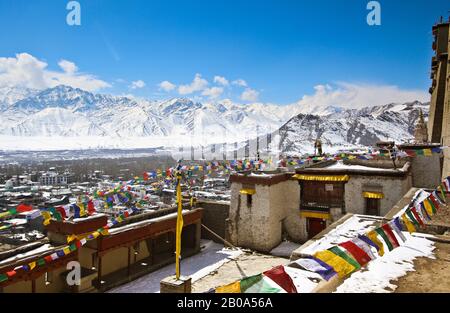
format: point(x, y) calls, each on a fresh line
point(179, 227)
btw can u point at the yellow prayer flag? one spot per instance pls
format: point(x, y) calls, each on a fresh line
point(47, 217)
point(428, 207)
point(82, 209)
point(230, 288)
point(32, 265)
point(409, 226)
point(66, 250)
point(71, 238)
point(374, 237)
point(105, 232)
point(342, 267)
point(4, 214)
point(427, 152)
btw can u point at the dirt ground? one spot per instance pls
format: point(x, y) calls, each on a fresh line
point(247, 264)
point(443, 216)
point(430, 275)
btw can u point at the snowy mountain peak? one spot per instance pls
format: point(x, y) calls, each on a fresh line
point(73, 113)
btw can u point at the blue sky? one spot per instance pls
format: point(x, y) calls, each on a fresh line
point(283, 50)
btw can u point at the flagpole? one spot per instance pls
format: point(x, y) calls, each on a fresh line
point(179, 227)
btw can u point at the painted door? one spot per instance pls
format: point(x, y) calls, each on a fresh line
point(315, 226)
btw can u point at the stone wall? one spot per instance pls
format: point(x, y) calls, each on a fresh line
point(426, 171)
point(215, 215)
point(274, 210)
point(392, 188)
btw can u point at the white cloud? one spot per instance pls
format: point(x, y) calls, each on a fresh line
point(137, 84)
point(198, 84)
point(250, 95)
point(221, 80)
point(68, 67)
point(24, 70)
point(240, 82)
point(166, 86)
point(213, 92)
point(354, 96)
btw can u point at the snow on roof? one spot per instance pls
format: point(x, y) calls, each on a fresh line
point(391, 266)
point(304, 281)
point(145, 222)
point(89, 217)
point(356, 224)
point(19, 256)
point(341, 166)
point(16, 221)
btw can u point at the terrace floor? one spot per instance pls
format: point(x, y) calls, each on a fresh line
point(430, 275)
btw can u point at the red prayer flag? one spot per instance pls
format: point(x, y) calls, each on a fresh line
point(388, 230)
point(359, 254)
point(145, 176)
point(23, 208)
point(279, 275)
point(91, 207)
point(48, 258)
point(61, 211)
point(78, 244)
point(434, 200)
point(417, 216)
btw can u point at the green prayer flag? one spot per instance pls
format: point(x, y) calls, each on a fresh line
point(349, 259)
point(41, 262)
point(442, 188)
point(433, 207)
point(383, 235)
point(3, 278)
point(13, 211)
point(250, 281)
point(412, 218)
point(261, 285)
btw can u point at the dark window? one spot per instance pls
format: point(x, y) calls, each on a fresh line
point(249, 200)
point(373, 207)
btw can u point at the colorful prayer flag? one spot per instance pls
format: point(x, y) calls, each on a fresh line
point(32, 265)
point(372, 235)
point(259, 284)
point(346, 256)
point(397, 228)
point(356, 252)
point(340, 266)
point(21, 208)
point(279, 276)
point(317, 266)
point(385, 238)
point(230, 288)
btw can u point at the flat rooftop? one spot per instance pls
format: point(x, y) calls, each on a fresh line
point(375, 167)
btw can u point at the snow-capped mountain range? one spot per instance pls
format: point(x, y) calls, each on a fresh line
point(349, 129)
point(67, 118)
